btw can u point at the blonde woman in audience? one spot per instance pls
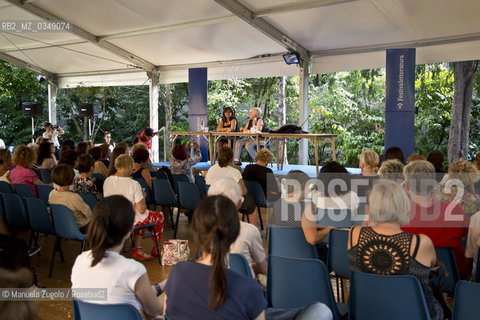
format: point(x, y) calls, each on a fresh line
point(125, 280)
point(392, 170)
point(63, 176)
point(5, 163)
point(122, 184)
point(383, 248)
point(368, 163)
point(23, 158)
point(415, 157)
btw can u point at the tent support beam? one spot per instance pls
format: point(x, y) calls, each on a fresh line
point(154, 95)
point(79, 32)
point(52, 103)
point(303, 110)
point(26, 65)
point(265, 27)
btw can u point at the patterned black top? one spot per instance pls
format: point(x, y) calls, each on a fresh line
point(86, 185)
point(390, 255)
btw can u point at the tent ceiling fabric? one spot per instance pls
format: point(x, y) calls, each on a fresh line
point(117, 38)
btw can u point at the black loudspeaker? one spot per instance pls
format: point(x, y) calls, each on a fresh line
point(85, 109)
point(31, 109)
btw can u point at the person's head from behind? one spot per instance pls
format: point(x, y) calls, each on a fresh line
point(82, 148)
point(179, 152)
point(335, 179)
point(68, 157)
point(123, 145)
point(124, 165)
point(48, 126)
point(228, 188)
point(118, 151)
point(296, 182)
point(465, 172)
point(369, 160)
point(148, 133)
point(139, 145)
point(105, 151)
point(388, 202)
point(437, 158)
point(415, 157)
point(228, 114)
point(140, 156)
point(225, 156)
point(23, 156)
point(420, 178)
point(85, 163)
point(112, 221)
point(5, 158)
point(394, 153)
point(45, 149)
point(264, 156)
point(392, 170)
point(96, 153)
point(215, 227)
point(19, 310)
point(63, 175)
point(68, 145)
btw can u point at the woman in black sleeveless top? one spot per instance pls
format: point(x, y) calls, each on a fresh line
point(227, 124)
point(383, 248)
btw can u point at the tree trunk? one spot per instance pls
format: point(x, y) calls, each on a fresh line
point(461, 110)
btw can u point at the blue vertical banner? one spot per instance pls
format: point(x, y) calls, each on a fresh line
point(197, 105)
point(400, 100)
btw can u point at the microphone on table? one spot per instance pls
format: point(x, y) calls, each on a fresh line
point(310, 116)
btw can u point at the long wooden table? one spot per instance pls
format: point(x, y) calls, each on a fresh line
point(213, 136)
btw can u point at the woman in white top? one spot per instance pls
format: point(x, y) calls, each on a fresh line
point(5, 163)
point(122, 184)
point(125, 279)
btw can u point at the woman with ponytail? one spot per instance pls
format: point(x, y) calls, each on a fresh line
point(126, 280)
point(205, 288)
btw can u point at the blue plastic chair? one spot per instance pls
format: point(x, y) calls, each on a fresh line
point(119, 311)
point(201, 185)
point(294, 283)
point(337, 259)
point(43, 192)
point(23, 190)
point(477, 269)
point(466, 306)
point(66, 228)
point(46, 175)
point(179, 178)
point(255, 190)
point(394, 297)
point(98, 176)
point(15, 211)
point(144, 185)
point(89, 199)
point(40, 220)
point(5, 187)
point(239, 264)
point(290, 242)
point(447, 256)
point(164, 196)
point(338, 218)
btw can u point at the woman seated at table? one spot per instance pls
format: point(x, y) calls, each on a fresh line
point(227, 124)
point(383, 248)
point(255, 124)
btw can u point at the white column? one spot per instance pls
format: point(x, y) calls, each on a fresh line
point(52, 103)
point(154, 91)
point(303, 111)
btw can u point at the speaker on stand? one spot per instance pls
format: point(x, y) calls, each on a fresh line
point(32, 109)
point(86, 110)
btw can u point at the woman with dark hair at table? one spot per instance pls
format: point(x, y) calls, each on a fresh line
point(228, 123)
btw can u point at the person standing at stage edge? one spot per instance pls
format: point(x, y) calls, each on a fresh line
point(51, 133)
point(145, 136)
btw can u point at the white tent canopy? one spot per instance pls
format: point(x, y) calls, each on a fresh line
point(113, 42)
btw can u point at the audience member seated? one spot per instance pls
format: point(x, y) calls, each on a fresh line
point(363, 182)
point(394, 153)
point(148, 165)
point(473, 241)
point(263, 175)
point(249, 241)
point(223, 170)
point(5, 163)
point(99, 166)
point(415, 157)
point(46, 156)
point(437, 158)
point(211, 290)
point(392, 170)
point(459, 186)
point(106, 154)
point(140, 158)
point(444, 222)
point(333, 193)
point(68, 157)
point(82, 148)
point(68, 145)
point(287, 211)
point(383, 248)
point(23, 158)
point(255, 124)
point(125, 280)
point(117, 151)
point(17, 309)
point(84, 183)
point(181, 162)
point(63, 176)
point(122, 184)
